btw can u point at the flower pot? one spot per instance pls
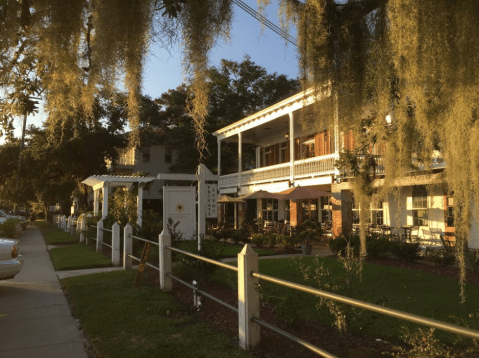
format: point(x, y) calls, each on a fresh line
point(306, 249)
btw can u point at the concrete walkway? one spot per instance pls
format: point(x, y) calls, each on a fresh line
point(35, 319)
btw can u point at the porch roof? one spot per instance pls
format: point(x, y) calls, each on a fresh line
point(98, 181)
point(269, 114)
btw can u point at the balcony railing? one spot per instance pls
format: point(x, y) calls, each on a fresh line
point(127, 161)
point(307, 168)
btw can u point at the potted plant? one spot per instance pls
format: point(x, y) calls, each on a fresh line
point(311, 232)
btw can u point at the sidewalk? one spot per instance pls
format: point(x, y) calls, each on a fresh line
point(35, 319)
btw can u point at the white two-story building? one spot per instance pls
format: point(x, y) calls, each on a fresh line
point(153, 159)
point(289, 156)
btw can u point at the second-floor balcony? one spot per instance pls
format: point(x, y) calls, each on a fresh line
point(299, 169)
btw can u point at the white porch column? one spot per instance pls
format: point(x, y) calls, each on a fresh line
point(240, 158)
point(236, 215)
point(240, 152)
point(219, 157)
point(201, 204)
point(96, 202)
point(258, 157)
point(291, 146)
point(336, 125)
point(104, 209)
point(139, 203)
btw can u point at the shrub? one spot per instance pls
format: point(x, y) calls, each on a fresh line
point(286, 241)
point(152, 225)
point(441, 258)
point(340, 243)
point(8, 228)
point(378, 247)
point(405, 251)
point(473, 258)
point(257, 239)
point(195, 268)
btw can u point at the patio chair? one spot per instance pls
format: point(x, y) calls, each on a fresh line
point(447, 243)
point(429, 242)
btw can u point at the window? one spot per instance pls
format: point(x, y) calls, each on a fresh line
point(419, 206)
point(146, 155)
point(377, 217)
point(450, 211)
point(373, 216)
point(326, 209)
point(168, 155)
point(284, 152)
point(307, 148)
point(270, 209)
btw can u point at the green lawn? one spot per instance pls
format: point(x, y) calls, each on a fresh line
point(75, 257)
point(225, 250)
point(53, 235)
point(403, 289)
point(123, 322)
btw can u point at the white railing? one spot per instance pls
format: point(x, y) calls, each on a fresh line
point(306, 168)
point(115, 240)
point(317, 166)
point(124, 161)
point(248, 306)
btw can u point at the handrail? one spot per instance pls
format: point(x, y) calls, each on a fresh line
point(293, 338)
point(145, 240)
point(203, 293)
point(373, 307)
point(202, 258)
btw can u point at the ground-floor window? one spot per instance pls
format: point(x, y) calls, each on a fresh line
point(419, 206)
point(270, 209)
point(326, 209)
point(373, 216)
point(450, 211)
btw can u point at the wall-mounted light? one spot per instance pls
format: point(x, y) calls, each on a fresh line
point(286, 135)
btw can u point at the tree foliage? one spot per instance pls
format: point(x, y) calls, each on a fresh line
point(236, 91)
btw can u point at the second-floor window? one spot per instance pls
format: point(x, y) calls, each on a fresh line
point(146, 155)
point(307, 147)
point(168, 155)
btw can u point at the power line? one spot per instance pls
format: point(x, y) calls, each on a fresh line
point(265, 21)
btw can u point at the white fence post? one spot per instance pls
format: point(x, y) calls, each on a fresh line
point(72, 226)
point(115, 244)
point(248, 298)
point(82, 228)
point(99, 235)
point(165, 262)
point(67, 223)
point(127, 246)
point(64, 222)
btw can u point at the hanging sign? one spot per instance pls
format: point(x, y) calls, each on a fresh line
point(211, 197)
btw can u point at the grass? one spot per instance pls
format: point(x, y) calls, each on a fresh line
point(53, 235)
point(123, 322)
point(223, 249)
point(75, 257)
point(402, 289)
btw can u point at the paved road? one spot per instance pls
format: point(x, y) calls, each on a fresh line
point(35, 320)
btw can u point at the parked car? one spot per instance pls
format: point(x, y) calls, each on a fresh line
point(11, 261)
point(9, 216)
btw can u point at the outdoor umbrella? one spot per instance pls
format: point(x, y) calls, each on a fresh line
point(225, 199)
point(261, 194)
point(303, 192)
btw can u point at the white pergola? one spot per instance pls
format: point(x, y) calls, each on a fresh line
point(105, 182)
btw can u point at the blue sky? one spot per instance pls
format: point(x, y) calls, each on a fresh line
point(163, 69)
